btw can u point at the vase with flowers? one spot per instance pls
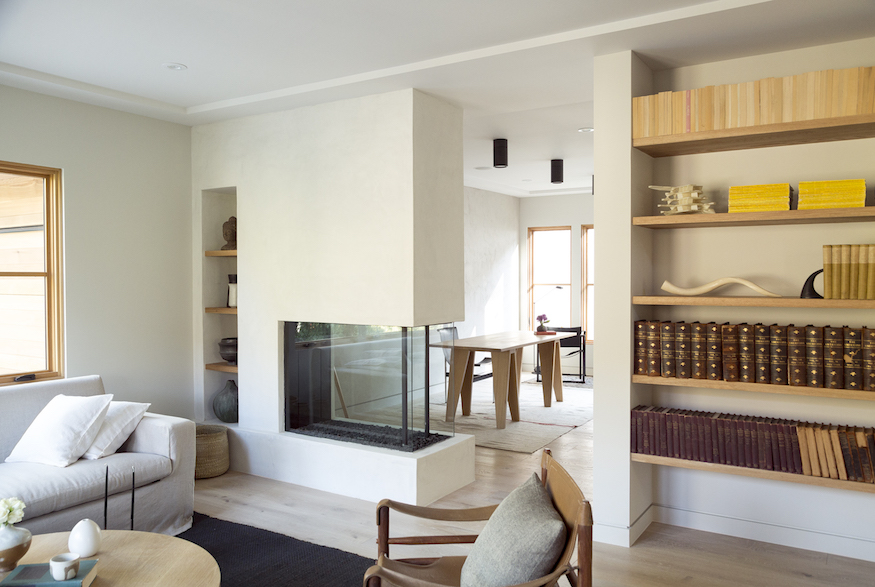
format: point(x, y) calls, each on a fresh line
point(14, 542)
point(542, 319)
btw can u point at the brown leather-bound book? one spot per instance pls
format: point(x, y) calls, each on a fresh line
point(633, 416)
point(661, 432)
point(740, 443)
point(762, 354)
point(776, 446)
point(838, 455)
point(692, 446)
point(640, 347)
point(729, 338)
point(653, 361)
point(796, 367)
point(778, 354)
point(847, 456)
point(853, 357)
point(666, 349)
point(813, 458)
point(675, 439)
point(746, 354)
point(855, 454)
point(863, 451)
point(731, 433)
point(652, 434)
point(710, 437)
point(868, 350)
point(721, 439)
point(700, 434)
point(870, 441)
point(681, 416)
point(833, 363)
point(795, 455)
point(683, 355)
point(749, 458)
point(764, 444)
point(820, 449)
point(803, 448)
point(699, 350)
point(814, 355)
point(714, 366)
point(828, 450)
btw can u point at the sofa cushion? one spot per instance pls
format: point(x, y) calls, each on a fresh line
point(62, 431)
point(121, 419)
point(45, 489)
point(522, 540)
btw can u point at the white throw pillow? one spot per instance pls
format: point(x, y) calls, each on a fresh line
point(120, 421)
point(62, 431)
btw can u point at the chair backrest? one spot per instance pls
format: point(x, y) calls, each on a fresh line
point(447, 334)
point(575, 510)
point(571, 341)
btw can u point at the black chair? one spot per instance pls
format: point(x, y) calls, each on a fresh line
point(578, 343)
point(452, 333)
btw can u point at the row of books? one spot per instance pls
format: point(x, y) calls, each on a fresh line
point(840, 193)
point(808, 96)
point(849, 272)
point(759, 198)
point(770, 444)
point(810, 356)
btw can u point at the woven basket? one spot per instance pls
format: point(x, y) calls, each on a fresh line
point(212, 451)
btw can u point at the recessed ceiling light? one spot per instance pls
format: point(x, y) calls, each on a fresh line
point(586, 129)
point(174, 66)
point(482, 168)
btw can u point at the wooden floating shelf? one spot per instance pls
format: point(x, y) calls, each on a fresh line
point(753, 302)
point(221, 310)
point(757, 473)
point(821, 130)
point(223, 367)
point(828, 216)
point(221, 253)
point(757, 387)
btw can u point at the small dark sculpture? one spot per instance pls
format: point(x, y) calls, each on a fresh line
point(229, 233)
point(808, 292)
point(228, 349)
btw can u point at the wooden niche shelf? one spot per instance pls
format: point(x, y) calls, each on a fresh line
point(221, 253)
point(223, 367)
point(753, 302)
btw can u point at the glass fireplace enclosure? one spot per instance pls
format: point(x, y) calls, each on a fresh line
point(368, 374)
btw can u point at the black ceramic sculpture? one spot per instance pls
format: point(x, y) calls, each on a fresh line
point(225, 403)
point(808, 291)
point(228, 349)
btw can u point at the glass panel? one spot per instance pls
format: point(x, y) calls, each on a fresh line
point(340, 376)
point(590, 255)
point(22, 325)
point(551, 256)
point(555, 302)
point(22, 240)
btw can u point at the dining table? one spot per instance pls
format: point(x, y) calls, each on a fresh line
point(506, 349)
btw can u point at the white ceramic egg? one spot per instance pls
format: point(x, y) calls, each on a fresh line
point(84, 538)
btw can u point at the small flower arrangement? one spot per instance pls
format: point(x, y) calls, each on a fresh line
point(542, 319)
point(11, 511)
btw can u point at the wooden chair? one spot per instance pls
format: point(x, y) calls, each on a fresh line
point(567, 499)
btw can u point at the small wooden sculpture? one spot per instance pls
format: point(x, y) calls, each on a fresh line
point(709, 287)
point(229, 233)
point(684, 199)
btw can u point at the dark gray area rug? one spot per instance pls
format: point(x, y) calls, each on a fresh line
point(251, 556)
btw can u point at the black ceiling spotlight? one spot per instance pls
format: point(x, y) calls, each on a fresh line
point(556, 171)
point(499, 153)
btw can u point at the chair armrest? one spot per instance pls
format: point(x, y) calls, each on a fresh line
point(445, 514)
point(167, 436)
point(402, 580)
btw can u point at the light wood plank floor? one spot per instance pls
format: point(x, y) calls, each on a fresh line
point(664, 556)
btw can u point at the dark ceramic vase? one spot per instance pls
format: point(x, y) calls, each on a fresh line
point(228, 349)
point(225, 403)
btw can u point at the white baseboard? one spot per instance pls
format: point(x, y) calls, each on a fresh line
point(625, 535)
point(796, 537)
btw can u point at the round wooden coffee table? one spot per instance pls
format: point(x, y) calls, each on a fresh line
point(136, 558)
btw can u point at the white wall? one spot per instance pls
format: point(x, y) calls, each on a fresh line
point(127, 222)
point(570, 210)
point(492, 254)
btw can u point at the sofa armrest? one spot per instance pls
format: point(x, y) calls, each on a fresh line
point(167, 436)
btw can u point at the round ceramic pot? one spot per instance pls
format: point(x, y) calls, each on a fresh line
point(225, 404)
point(14, 543)
point(228, 349)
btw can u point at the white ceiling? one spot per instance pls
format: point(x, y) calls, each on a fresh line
point(521, 69)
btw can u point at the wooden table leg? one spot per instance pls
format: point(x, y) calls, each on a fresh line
point(513, 385)
point(501, 379)
point(463, 378)
point(557, 371)
point(546, 352)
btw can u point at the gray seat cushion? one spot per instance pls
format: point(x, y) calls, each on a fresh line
point(521, 541)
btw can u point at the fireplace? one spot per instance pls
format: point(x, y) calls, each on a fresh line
point(368, 384)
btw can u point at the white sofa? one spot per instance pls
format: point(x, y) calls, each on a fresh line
point(161, 451)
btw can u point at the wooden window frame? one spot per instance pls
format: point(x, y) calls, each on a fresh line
point(53, 273)
point(531, 286)
point(584, 283)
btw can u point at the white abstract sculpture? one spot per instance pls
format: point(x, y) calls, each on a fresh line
point(709, 287)
point(684, 199)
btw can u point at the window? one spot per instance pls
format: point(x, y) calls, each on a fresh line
point(31, 317)
point(550, 275)
point(587, 273)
